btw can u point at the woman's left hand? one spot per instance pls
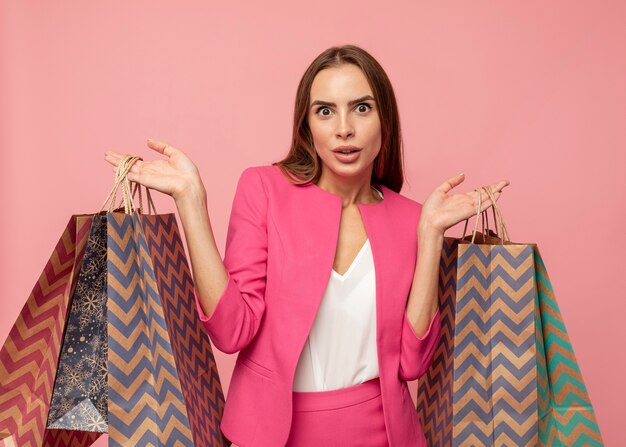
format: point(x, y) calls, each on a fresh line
point(442, 210)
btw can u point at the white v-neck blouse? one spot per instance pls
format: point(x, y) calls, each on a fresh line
point(340, 350)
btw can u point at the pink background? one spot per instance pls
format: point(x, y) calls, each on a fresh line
point(534, 92)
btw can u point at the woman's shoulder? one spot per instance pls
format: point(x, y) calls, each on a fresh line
point(404, 204)
point(263, 171)
point(257, 179)
point(272, 177)
point(407, 201)
point(399, 199)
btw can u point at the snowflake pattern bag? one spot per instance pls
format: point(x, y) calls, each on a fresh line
point(79, 400)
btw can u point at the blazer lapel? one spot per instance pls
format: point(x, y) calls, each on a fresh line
point(311, 218)
point(390, 255)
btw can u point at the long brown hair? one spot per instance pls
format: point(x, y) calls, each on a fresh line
point(303, 162)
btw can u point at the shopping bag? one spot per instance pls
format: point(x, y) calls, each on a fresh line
point(79, 399)
point(505, 372)
point(134, 362)
point(29, 356)
point(197, 370)
point(145, 257)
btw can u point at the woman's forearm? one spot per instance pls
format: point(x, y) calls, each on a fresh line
point(423, 297)
point(209, 274)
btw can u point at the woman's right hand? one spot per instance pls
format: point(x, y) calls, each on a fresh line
point(173, 176)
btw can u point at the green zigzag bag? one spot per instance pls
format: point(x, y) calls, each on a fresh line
point(505, 373)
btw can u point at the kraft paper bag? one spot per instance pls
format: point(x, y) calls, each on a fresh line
point(110, 341)
point(29, 356)
point(505, 373)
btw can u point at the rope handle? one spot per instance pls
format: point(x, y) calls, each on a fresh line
point(136, 188)
point(501, 230)
point(128, 193)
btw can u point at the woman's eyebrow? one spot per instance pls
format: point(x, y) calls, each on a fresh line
point(350, 103)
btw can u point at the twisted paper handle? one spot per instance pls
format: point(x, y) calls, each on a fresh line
point(502, 232)
point(121, 179)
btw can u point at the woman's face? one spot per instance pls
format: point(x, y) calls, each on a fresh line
point(343, 112)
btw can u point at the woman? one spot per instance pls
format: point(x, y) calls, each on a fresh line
point(321, 288)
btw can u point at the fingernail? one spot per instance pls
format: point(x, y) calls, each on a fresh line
point(461, 174)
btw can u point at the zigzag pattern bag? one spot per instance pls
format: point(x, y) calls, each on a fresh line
point(505, 373)
point(134, 360)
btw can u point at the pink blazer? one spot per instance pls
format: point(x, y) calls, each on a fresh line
point(280, 248)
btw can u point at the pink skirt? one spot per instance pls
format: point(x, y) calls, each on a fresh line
point(345, 417)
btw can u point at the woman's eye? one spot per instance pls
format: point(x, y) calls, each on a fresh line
point(364, 107)
point(324, 111)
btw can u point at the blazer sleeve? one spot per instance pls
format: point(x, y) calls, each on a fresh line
point(416, 353)
point(237, 315)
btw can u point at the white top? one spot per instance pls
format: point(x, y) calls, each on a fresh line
point(340, 350)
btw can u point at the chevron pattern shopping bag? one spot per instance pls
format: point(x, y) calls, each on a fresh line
point(195, 363)
point(29, 356)
point(134, 361)
point(505, 373)
point(164, 388)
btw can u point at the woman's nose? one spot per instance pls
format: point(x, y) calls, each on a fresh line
point(344, 126)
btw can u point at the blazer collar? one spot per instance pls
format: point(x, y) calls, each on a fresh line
point(331, 197)
point(322, 244)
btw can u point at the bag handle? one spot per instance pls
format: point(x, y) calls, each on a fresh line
point(151, 207)
point(502, 231)
point(485, 217)
point(475, 226)
point(128, 195)
point(485, 223)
